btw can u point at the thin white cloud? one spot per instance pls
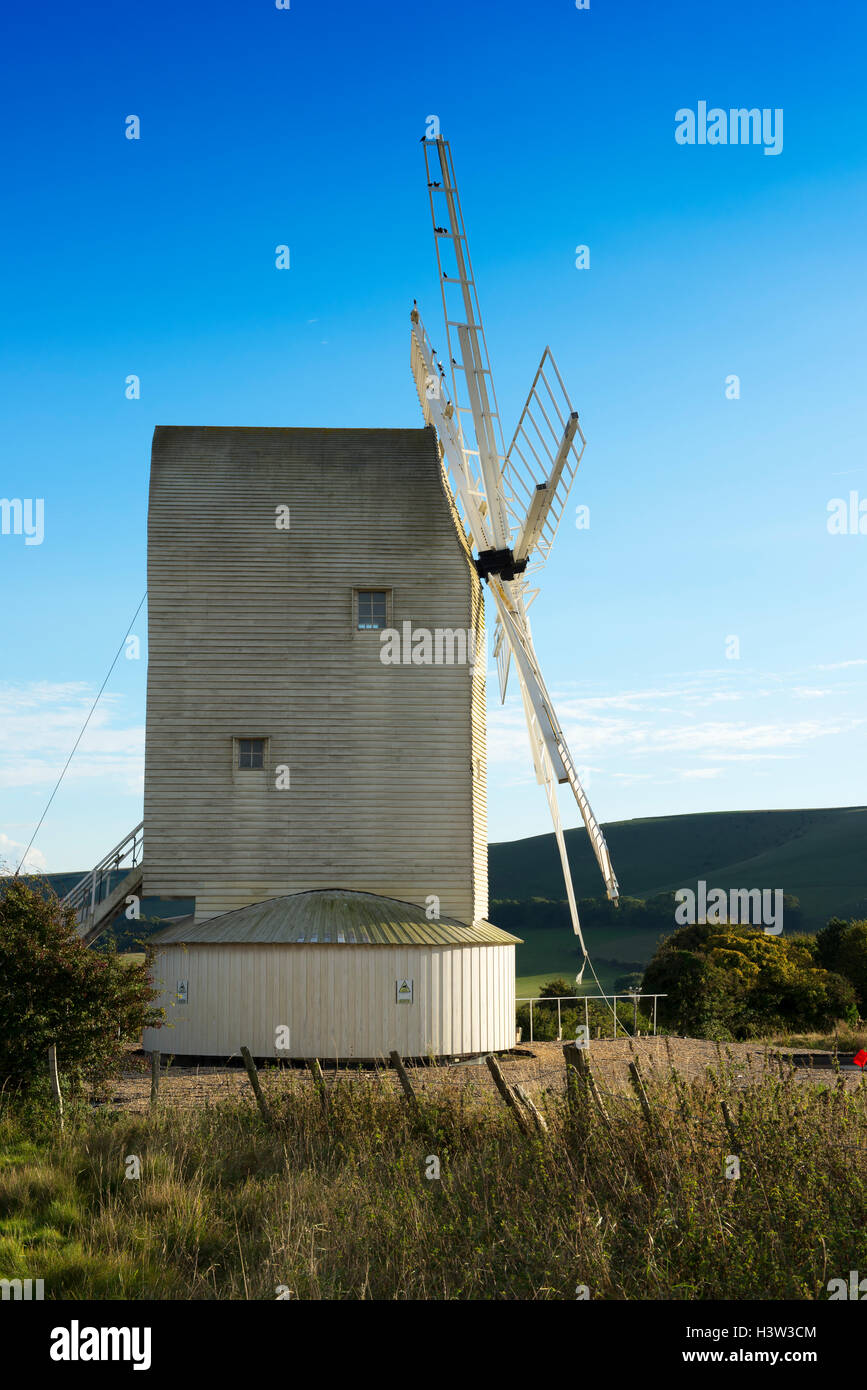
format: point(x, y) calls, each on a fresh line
point(624, 730)
point(39, 724)
point(10, 856)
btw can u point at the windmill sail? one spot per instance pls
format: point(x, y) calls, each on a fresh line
point(541, 463)
point(511, 501)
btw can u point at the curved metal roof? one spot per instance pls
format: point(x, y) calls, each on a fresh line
point(334, 917)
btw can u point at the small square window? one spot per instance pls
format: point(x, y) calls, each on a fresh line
point(372, 609)
point(251, 753)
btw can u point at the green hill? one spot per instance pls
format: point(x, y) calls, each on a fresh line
point(819, 857)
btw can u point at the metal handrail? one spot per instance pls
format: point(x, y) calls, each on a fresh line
point(559, 999)
point(87, 892)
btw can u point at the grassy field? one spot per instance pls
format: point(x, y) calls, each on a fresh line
point(551, 951)
point(335, 1202)
point(529, 986)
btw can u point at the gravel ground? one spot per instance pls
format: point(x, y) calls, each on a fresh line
point(538, 1067)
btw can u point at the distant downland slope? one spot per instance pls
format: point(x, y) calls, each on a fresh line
point(817, 856)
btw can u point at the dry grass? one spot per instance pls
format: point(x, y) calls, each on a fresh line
point(335, 1203)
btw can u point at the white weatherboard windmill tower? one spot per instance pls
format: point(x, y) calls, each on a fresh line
point(315, 818)
point(511, 500)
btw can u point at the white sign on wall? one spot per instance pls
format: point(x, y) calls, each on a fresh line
point(403, 990)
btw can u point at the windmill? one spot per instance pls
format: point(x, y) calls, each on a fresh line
point(510, 500)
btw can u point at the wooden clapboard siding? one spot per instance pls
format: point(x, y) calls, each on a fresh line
point(338, 1002)
point(251, 633)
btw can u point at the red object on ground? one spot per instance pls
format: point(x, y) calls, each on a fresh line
point(860, 1058)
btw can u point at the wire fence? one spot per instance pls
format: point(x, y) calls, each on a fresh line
point(718, 1128)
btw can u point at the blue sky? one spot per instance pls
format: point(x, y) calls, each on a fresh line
point(708, 515)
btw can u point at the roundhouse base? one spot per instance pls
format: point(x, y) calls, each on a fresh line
point(337, 974)
point(291, 1001)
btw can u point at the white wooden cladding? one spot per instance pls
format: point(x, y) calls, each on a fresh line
point(251, 634)
point(338, 1002)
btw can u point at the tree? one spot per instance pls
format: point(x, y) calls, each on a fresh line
point(850, 960)
point(828, 942)
point(628, 982)
point(841, 947)
point(739, 982)
point(54, 990)
point(685, 978)
point(558, 988)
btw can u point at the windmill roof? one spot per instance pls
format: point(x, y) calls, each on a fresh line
point(332, 917)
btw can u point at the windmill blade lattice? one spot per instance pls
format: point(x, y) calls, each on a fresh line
point(511, 503)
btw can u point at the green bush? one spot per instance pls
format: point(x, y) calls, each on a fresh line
point(54, 990)
point(842, 947)
point(737, 982)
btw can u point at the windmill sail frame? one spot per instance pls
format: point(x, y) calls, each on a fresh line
point(510, 501)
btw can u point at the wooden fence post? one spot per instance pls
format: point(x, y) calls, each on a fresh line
point(577, 1057)
point(55, 1081)
point(508, 1094)
point(155, 1076)
point(539, 1121)
point(573, 1075)
point(254, 1082)
point(397, 1063)
point(638, 1087)
point(730, 1126)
